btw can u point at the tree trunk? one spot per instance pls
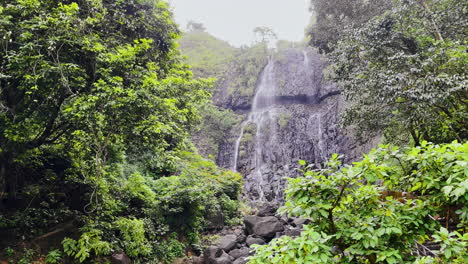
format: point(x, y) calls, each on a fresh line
point(437, 33)
point(8, 180)
point(2, 182)
point(415, 137)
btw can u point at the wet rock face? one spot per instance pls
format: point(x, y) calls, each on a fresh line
point(293, 116)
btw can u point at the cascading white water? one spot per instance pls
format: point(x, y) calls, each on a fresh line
point(306, 59)
point(260, 115)
point(288, 122)
point(322, 154)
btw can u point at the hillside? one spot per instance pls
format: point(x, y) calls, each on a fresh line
point(207, 55)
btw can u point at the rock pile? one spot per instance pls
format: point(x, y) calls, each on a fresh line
point(235, 247)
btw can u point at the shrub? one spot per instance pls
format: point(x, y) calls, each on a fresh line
point(53, 257)
point(170, 249)
point(89, 243)
point(376, 210)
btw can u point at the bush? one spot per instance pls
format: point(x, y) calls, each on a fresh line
point(376, 210)
point(170, 249)
point(53, 257)
point(138, 217)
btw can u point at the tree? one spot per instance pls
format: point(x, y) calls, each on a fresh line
point(330, 18)
point(378, 210)
point(404, 73)
point(195, 26)
point(90, 77)
point(265, 34)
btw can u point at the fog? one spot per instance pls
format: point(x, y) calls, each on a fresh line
point(234, 20)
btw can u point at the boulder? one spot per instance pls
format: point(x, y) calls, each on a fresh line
point(227, 242)
point(239, 252)
point(255, 240)
point(267, 209)
point(216, 255)
point(240, 261)
point(241, 238)
point(266, 227)
point(120, 258)
point(213, 252)
point(198, 260)
point(250, 221)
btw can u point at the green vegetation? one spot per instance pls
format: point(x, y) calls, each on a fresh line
point(214, 129)
point(208, 56)
point(102, 120)
point(283, 120)
point(403, 75)
point(53, 257)
point(236, 71)
point(378, 210)
point(417, 73)
point(96, 112)
point(331, 17)
point(245, 69)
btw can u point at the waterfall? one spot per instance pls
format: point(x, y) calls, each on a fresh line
point(287, 122)
point(260, 115)
point(306, 59)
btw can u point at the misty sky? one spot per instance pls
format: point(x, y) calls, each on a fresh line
point(234, 20)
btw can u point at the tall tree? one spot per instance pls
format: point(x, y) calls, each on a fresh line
point(405, 73)
point(265, 34)
point(330, 18)
point(86, 75)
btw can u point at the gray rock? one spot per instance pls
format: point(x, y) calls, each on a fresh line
point(227, 242)
point(265, 227)
point(240, 261)
point(255, 240)
point(293, 232)
point(238, 231)
point(284, 219)
point(241, 238)
point(213, 252)
point(267, 209)
point(198, 260)
point(299, 222)
point(120, 258)
point(216, 255)
point(240, 252)
point(250, 221)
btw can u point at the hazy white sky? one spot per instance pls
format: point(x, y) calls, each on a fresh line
point(234, 20)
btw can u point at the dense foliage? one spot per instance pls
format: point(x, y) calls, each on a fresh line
point(330, 18)
point(379, 209)
point(404, 73)
point(208, 56)
point(96, 110)
point(141, 217)
point(244, 70)
point(91, 72)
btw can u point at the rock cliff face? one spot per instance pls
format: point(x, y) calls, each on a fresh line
point(292, 116)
